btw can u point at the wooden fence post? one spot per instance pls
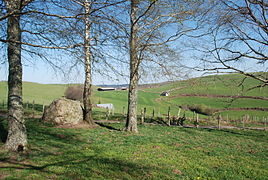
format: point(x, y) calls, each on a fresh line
point(43, 108)
point(3, 103)
point(219, 121)
point(27, 105)
point(153, 114)
point(265, 124)
point(142, 116)
point(107, 114)
point(33, 109)
point(243, 121)
point(178, 117)
point(179, 112)
point(169, 116)
point(196, 121)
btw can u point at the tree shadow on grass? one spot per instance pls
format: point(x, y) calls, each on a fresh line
point(86, 167)
point(256, 135)
point(107, 126)
point(66, 153)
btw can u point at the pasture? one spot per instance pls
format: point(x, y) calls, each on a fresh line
point(215, 92)
point(156, 152)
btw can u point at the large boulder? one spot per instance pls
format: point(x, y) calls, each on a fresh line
point(64, 111)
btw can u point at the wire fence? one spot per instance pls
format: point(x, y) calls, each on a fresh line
point(34, 110)
point(216, 121)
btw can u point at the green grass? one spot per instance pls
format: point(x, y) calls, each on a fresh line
point(150, 98)
point(156, 152)
point(223, 85)
point(40, 93)
point(215, 85)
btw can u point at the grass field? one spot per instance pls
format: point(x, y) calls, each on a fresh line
point(40, 93)
point(150, 97)
point(156, 152)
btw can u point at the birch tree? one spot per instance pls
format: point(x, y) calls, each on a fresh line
point(153, 24)
point(93, 26)
point(14, 17)
point(17, 137)
point(131, 123)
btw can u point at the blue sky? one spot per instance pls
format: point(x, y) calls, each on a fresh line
point(35, 70)
point(41, 72)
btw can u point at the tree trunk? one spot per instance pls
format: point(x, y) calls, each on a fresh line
point(131, 123)
point(88, 82)
point(17, 138)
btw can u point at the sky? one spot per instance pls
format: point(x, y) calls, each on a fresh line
point(43, 73)
point(40, 72)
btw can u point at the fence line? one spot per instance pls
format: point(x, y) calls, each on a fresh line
point(216, 121)
point(244, 122)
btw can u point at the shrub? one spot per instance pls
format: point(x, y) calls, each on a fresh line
point(201, 109)
point(74, 92)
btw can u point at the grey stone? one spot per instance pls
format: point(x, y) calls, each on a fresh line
point(63, 111)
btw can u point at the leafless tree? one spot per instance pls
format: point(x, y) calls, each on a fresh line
point(47, 27)
point(17, 137)
point(153, 26)
point(19, 34)
point(92, 27)
point(235, 39)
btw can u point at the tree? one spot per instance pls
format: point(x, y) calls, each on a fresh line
point(236, 33)
point(17, 137)
point(86, 20)
point(131, 123)
point(88, 79)
point(11, 16)
point(153, 25)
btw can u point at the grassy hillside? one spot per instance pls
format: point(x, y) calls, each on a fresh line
point(156, 152)
point(220, 84)
point(151, 99)
point(40, 93)
point(209, 85)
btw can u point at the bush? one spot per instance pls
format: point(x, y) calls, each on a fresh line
point(201, 109)
point(74, 93)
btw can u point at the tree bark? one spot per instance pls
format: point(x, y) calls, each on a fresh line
point(131, 123)
point(88, 81)
point(17, 137)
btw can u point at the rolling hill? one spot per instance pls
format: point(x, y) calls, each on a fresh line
point(219, 92)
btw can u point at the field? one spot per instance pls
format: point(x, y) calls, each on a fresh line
point(156, 152)
point(204, 91)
